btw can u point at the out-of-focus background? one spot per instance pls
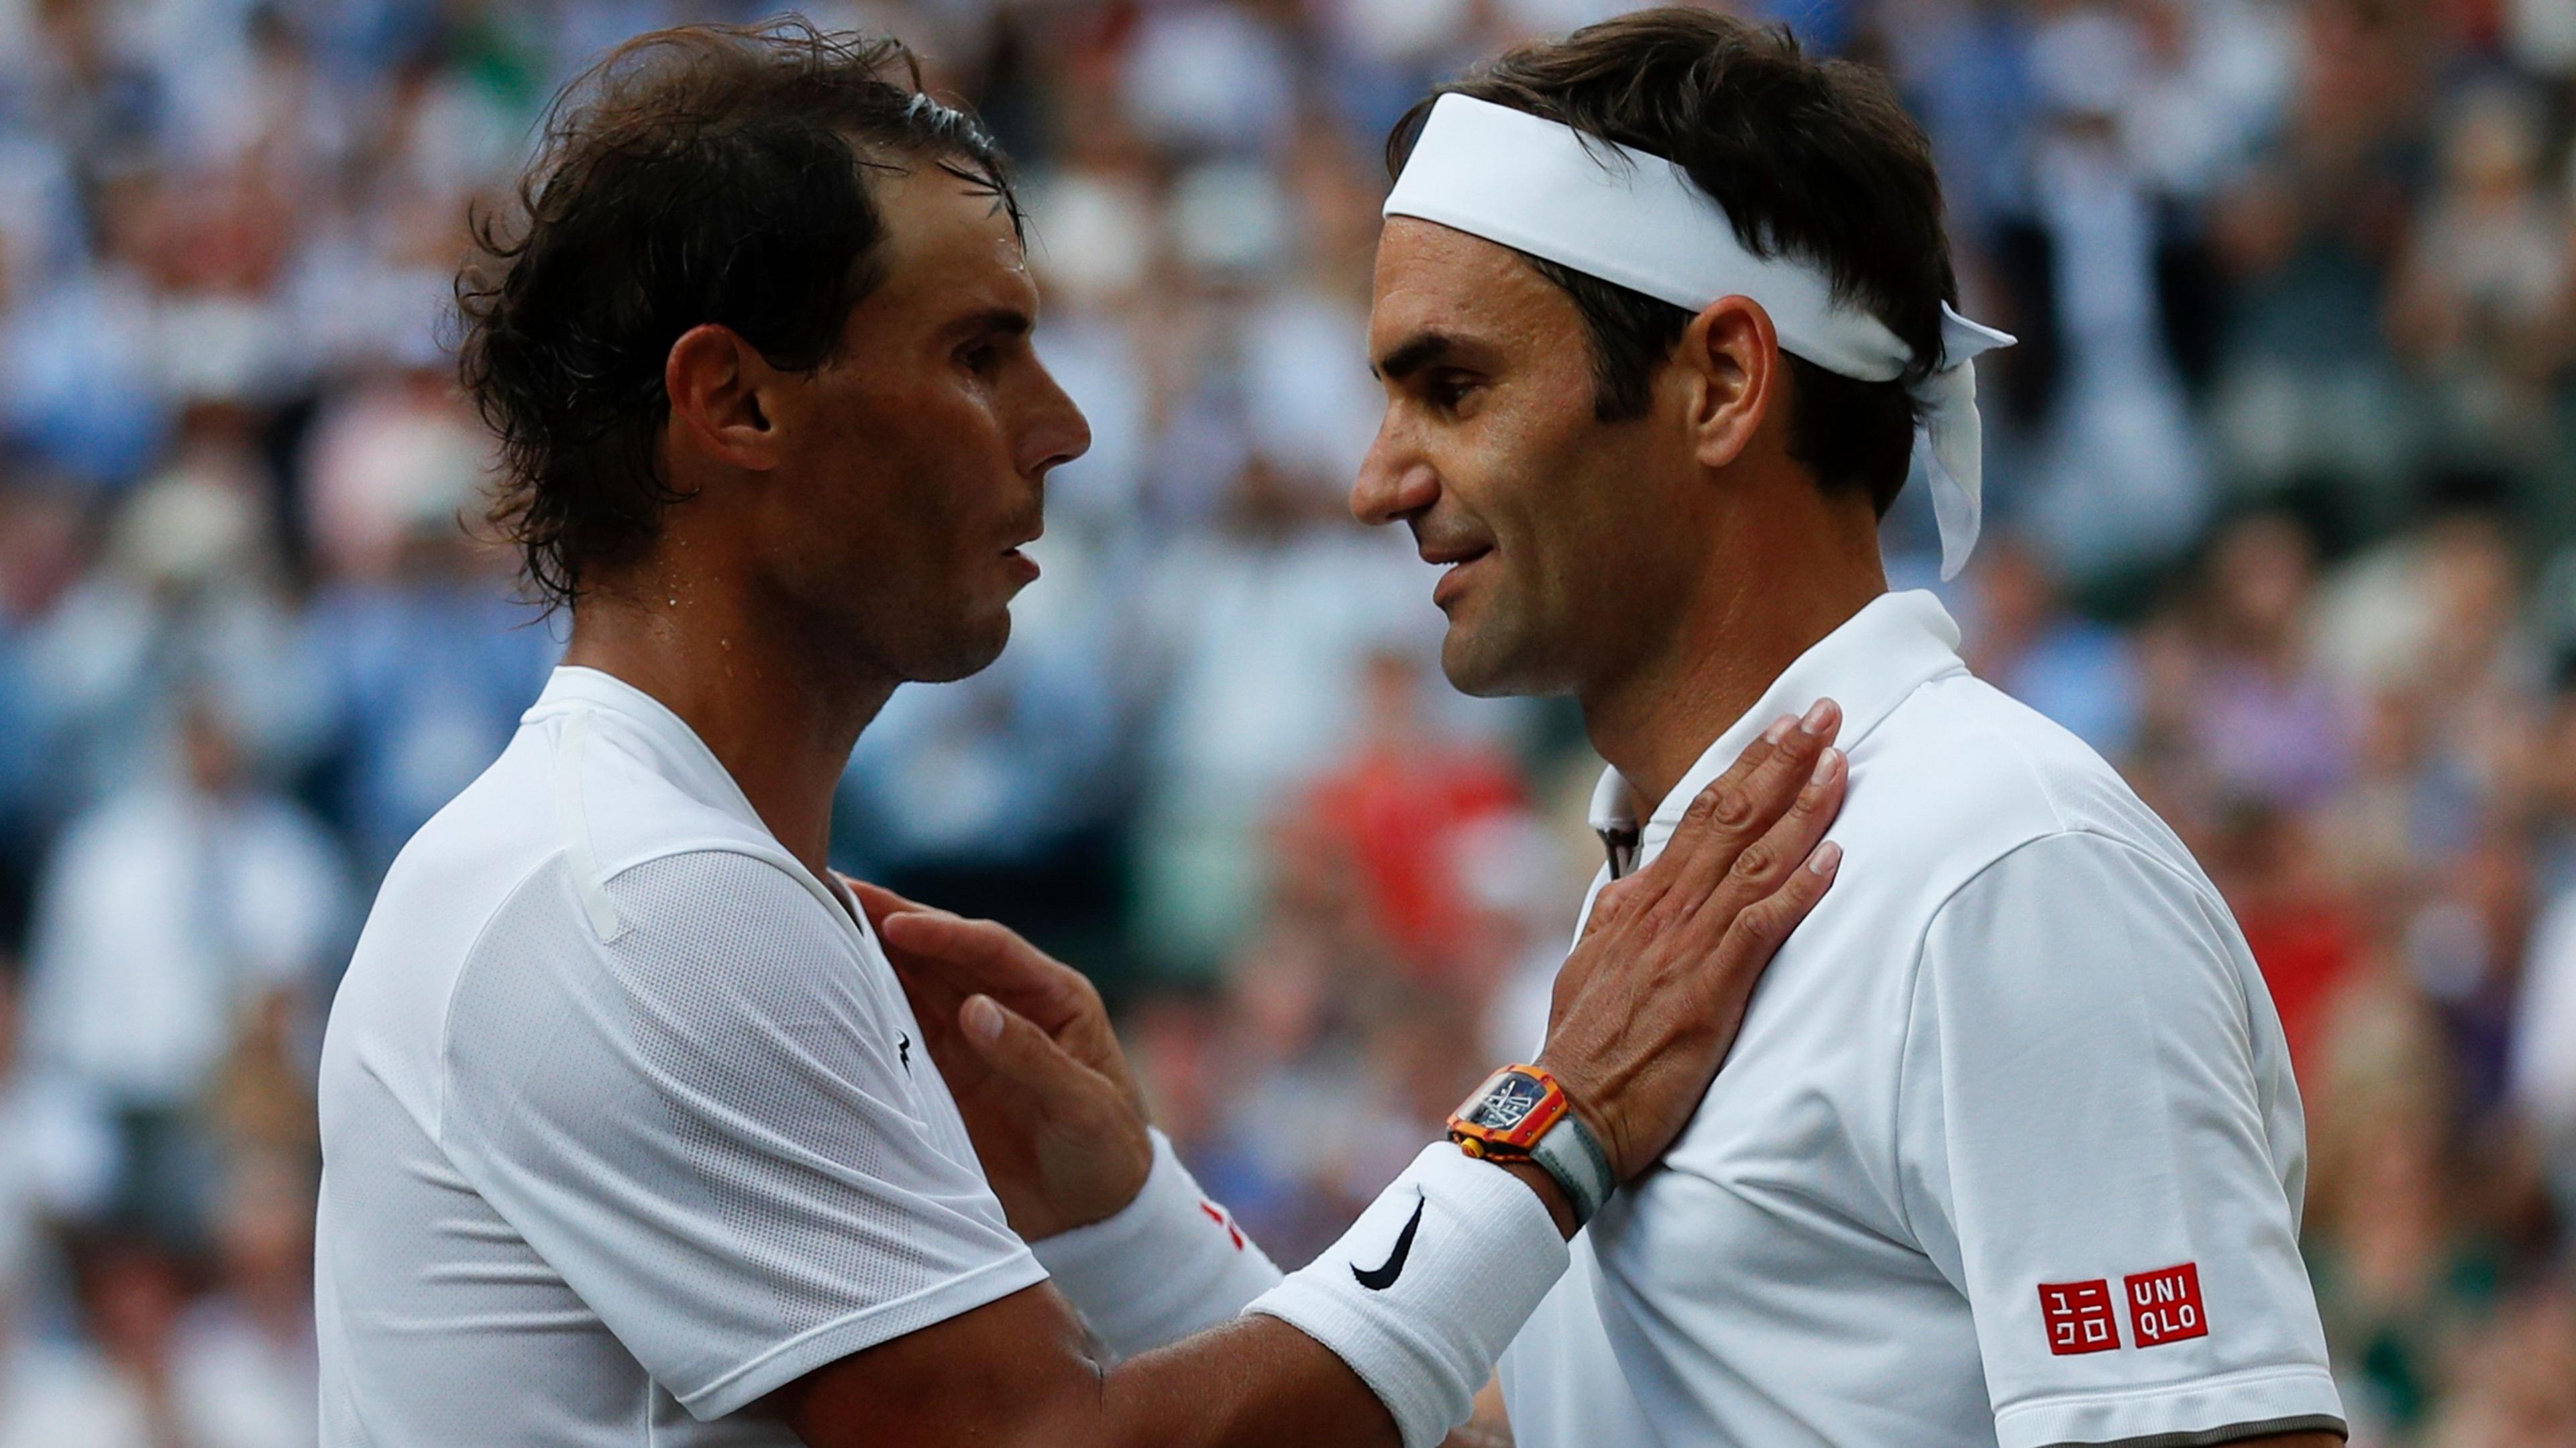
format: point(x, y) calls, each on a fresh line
point(2283, 481)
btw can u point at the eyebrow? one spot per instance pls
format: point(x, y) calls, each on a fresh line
point(1412, 355)
point(997, 321)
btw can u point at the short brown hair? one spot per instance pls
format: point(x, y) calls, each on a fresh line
point(1812, 158)
point(707, 174)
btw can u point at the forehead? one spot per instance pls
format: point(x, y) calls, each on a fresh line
point(1431, 278)
point(949, 244)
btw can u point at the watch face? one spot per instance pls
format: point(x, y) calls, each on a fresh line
point(1510, 1102)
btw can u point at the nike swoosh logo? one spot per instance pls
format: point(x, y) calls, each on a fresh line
point(1384, 1277)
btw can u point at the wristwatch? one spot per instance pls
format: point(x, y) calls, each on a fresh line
point(1522, 1114)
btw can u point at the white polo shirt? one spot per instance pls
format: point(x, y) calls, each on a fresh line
point(2008, 1151)
point(624, 1119)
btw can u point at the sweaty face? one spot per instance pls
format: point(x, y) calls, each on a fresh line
point(1553, 528)
point(914, 463)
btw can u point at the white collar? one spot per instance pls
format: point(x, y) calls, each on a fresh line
point(1868, 665)
point(682, 757)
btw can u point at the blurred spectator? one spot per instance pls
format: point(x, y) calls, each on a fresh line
point(57, 1162)
point(2304, 934)
point(185, 602)
point(1267, 620)
point(2021, 638)
point(2517, 1379)
point(171, 914)
point(2270, 725)
point(242, 1367)
point(1397, 816)
point(2480, 304)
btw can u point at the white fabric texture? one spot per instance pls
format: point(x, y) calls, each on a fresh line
point(1476, 1251)
point(1638, 220)
point(625, 1123)
point(2020, 1045)
point(1170, 1264)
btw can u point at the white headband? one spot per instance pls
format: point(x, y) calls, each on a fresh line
point(1554, 192)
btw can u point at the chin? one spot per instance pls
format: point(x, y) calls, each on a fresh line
point(970, 651)
point(1484, 664)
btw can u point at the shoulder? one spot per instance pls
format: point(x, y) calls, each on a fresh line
point(719, 901)
point(685, 971)
point(2105, 950)
point(1961, 776)
point(568, 867)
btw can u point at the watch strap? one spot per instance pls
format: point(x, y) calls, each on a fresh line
point(1571, 1154)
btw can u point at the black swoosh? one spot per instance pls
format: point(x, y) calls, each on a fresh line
point(1384, 1277)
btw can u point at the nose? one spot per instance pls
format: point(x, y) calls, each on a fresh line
point(1057, 431)
point(1396, 481)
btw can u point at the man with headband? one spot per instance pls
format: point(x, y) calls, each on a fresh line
point(2008, 1151)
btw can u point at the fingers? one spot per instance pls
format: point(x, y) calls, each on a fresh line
point(967, 956)
point(1760, 928)
point(1732, 817)
point(1771, 862)
point(1017, 1050)
point(879, 902)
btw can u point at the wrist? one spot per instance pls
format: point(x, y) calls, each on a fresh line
point(1524, 1115)
point(1169, 1263)
point(1583, 1098)
point(1550, 1195)
point(1425, 1291)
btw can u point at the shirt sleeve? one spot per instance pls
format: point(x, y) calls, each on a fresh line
point(712, 1125)
point(2100, 1145)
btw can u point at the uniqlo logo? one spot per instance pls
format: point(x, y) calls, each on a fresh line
point(2164, 1305)
point(2079, 1316)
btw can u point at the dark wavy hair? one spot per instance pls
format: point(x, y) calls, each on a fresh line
point(707, 174)
point(1812, 158)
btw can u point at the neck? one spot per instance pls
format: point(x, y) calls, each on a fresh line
point(1793, 574)
point(779, 708)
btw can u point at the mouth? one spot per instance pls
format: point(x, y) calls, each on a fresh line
point(1018, 561)
point(1461, 562)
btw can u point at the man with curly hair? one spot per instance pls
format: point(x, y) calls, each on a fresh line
point(631, 1133)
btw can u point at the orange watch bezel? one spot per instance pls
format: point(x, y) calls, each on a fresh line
point(1519, 1139)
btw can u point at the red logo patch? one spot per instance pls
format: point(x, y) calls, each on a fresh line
point(1218, 1216)
point(2079, 1316)
point(2164, 1306)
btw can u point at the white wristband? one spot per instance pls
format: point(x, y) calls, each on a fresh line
point(1425, 1291)
point(1168, 1264)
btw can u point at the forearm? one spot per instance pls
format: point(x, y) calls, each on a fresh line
point(1382, 1341)
point(1254, 1383)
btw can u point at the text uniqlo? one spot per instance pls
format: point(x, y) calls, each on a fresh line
point(2164, 1305)
point(2079, 1316)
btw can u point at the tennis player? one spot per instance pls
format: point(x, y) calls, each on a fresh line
point(2009, 1150)
point(630, 1134)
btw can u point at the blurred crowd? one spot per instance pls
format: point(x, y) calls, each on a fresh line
point(2283, 480)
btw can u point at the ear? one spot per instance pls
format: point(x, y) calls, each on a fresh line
point(720, 389)
point(1730, 357)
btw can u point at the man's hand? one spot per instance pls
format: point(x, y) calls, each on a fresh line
point(1025, 1046)
point(1648, 1005)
